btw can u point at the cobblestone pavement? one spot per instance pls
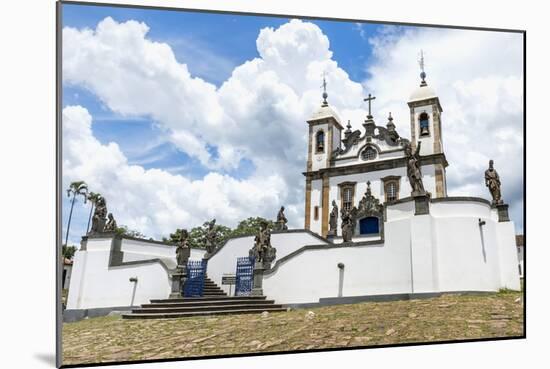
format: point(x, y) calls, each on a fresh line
point(449, 317)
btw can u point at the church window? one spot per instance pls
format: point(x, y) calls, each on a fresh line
point(347, 193)
point(391, 188)
point(320, 142)
point(316, 213)
point(391, 191)
point(369, 153)
point(347, 198)
point(424, 122)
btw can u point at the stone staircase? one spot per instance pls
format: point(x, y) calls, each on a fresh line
point(213, 302)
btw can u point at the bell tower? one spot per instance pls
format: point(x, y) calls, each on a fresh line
point(425, 113)
point(325, 136)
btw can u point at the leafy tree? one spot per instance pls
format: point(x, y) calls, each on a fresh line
point(197, 235)
point(250, 226)
point(68, 251)
point(125, 231)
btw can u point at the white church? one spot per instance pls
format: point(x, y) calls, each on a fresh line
point(403, 244)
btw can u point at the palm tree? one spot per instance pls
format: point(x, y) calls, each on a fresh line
point(92, 196)
point(75, 188)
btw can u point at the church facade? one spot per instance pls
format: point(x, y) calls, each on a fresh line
point(378, 223)
point(340, 164)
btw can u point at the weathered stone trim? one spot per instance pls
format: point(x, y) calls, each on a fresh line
point(425, 102)
point(328, 301)
point(116, 256)
point(461, 198)
point(307, 222)
point(324, 120)
point(374, 243)
point(413, 129)
point(322, 239)
point(370, 166)
point(440, 190)
point(325, 206)
point(436, 118)
point(309, 164)
point(329, 145)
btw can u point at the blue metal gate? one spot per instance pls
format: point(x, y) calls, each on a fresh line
point(244, 276)
point(196, 271)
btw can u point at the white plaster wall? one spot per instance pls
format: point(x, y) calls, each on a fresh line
point(316, 200)
point(225, 260)
point(369, 270)
point(444, 251)
point(95, 285)
point(509, 272)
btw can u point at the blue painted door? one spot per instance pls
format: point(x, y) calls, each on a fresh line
point(244, 276)
point(368, 225)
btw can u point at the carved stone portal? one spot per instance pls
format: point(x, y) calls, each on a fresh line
point(369, 207)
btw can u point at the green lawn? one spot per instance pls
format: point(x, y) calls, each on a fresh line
point(449, 317)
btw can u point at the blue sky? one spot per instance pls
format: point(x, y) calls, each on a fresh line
point(213, 47)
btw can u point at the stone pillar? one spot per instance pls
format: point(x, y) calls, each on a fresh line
point(325, 206)
point(502, 210)
point(421, 203)
point(258, 279)
point(178, 277)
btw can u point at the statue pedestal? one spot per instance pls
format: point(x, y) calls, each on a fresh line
point(178, 279)
point(421, 203)
point(502, 210)
point(258, 279)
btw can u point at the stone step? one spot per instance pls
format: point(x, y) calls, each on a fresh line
point(199, 313)
point(216, 302)
point(208, 298)
point(163, 310)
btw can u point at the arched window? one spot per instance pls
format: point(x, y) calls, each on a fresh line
point(424, 122)
point(391, 188)
point(369, 153)
point(320, 142)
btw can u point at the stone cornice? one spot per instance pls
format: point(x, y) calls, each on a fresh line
point(375, 165)
point(425, 102)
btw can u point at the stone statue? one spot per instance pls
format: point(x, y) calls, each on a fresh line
point(262, 251)
point(333, 220)
point(348, 224)
point(413, 169)
point(211, 238)
point(111, 225)
point(100, 213)
point(183, 251)
point(281, 220)
point(492, 181)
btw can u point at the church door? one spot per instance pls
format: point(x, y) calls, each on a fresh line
point(369, 225)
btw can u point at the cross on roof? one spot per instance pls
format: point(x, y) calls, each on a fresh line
point(369, 99)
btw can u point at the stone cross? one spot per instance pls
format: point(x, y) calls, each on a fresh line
point(369, 99)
